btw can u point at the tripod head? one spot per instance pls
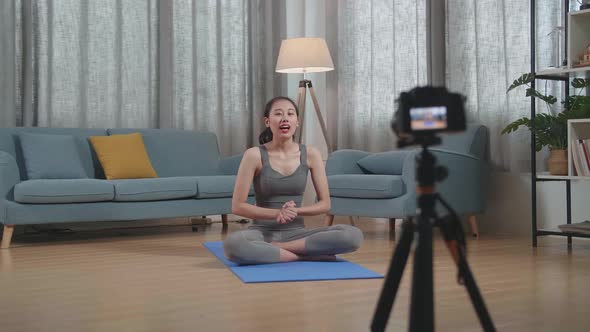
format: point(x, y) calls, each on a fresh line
point(427, 172)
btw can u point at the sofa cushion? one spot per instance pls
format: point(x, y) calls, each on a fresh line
point(197, 150)
point(217, 186)
point(63, 191)
point(154, 189)
point(10, 142)
point(366, 186)
point(123, 156)
point(389, 163)
point(51, 156)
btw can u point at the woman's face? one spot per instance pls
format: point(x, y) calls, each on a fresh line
point(282, 119)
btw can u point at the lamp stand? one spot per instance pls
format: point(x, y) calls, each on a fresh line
point(303, 85)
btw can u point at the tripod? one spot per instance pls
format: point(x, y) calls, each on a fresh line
point(303, 85)
point(422, 304)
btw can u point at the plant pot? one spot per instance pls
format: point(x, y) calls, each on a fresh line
point(557, 162)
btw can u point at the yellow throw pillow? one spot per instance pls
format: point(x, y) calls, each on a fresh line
point(123, 156)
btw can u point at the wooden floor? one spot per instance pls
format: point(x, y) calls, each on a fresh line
point(163, 279)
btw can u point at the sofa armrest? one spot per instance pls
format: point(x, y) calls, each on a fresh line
point(345, 162)
point(9, 177)
point(464, 188)
point(230, 165)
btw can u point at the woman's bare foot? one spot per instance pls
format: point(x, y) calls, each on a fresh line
point(287, 256)
point(291, 251)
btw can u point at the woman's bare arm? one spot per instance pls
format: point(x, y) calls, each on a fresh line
point(248, 166)
point(320, 183)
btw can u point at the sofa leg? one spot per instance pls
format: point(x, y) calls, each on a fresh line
point(329, 220)
point(473, 226)
point(224, 225)
point(7, 236)
point(224, 220)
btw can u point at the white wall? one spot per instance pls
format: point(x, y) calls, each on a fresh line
point(509, 204)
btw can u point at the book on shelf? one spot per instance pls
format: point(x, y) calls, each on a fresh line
point(576, 159)
point(580, 227)
point(584, 144)
point(580, 150)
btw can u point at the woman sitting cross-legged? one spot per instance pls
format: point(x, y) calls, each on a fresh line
point(278, 168)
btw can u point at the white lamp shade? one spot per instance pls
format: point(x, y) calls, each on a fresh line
point(304, 55)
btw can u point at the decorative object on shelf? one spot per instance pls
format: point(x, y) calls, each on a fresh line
point(551, 128)
point(557, 46)
point(557, 162)
point(580, 227)
point(585, 58)
point(584, 4)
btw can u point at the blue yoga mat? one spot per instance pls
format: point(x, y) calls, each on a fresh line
point(293, 271)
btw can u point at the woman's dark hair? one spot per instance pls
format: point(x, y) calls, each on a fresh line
point(266, 135)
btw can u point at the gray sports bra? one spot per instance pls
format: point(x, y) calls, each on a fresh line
point(273, 189)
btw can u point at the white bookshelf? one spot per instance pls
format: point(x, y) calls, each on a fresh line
point(576, 129)
point(584, 12)
point(565, 72)
point(578, 36)
point(547, 176)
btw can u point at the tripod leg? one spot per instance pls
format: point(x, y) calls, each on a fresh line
point(301, 106)
point(455, 240)
point(393, 278)
point(422, 307)
point(316, 105)
point(457, 251)
point(476, 298)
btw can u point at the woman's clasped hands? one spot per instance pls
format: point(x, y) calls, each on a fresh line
point(287, 213)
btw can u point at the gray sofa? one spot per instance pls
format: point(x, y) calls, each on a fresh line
point(193, 180)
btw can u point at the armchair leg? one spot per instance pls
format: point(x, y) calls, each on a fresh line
point(392, 229)
point(473, 226)
point(7, 236)
point(329, 220)
point(395, 229)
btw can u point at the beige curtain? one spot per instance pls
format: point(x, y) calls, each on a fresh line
point(381, 51)
point(192, 64)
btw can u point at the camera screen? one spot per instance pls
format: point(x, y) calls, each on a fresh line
point(428, 118)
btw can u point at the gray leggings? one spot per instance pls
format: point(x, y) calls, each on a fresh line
point(253, 246)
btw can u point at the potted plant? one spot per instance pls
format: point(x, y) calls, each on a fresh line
point(550, 129)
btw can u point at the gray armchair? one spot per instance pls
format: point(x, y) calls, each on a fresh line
point(382, 185)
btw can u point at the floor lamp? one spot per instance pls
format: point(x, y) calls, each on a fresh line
point(303, 56)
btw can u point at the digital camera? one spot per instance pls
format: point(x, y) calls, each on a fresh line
point(426, 110)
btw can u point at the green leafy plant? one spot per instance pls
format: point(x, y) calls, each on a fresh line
point(550, 129)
